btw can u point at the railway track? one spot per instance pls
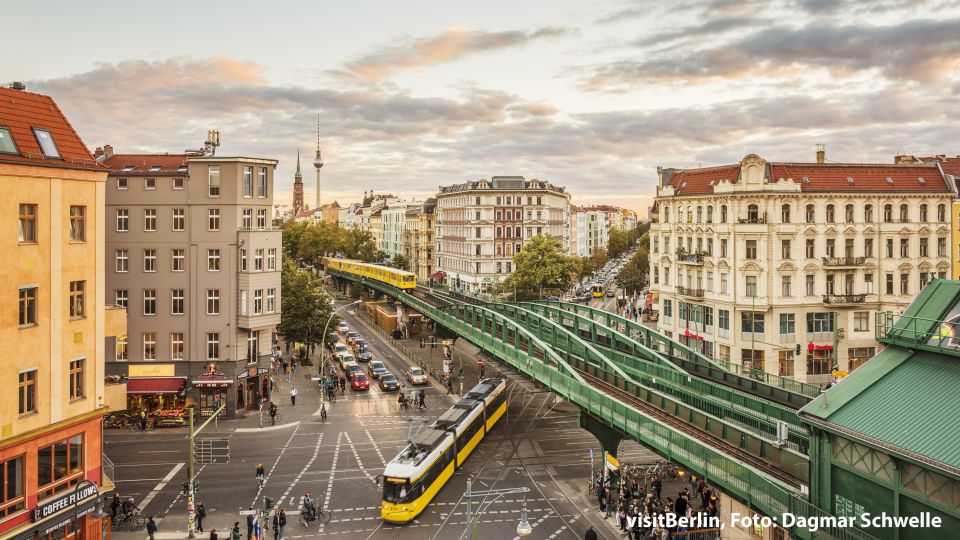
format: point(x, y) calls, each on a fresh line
point(690, 431)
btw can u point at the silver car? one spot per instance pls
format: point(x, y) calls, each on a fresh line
point(415, 375)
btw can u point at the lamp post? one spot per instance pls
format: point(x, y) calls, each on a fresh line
point(327, 327)
point(523, 527)
point(76, 503)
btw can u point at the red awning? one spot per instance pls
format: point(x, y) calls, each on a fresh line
point(162, 385)
point(438, 275)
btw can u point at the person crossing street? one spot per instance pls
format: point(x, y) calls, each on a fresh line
point(293, 395)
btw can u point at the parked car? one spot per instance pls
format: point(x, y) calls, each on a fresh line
point(343, 328)
point(376, 369)
point(416, 375)
point(610, 294)
point(389, 383)
point(360, 382)
point(353, 369)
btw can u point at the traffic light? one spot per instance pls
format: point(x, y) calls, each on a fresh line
point(196, 486)
point(841, 335)
point(797, 351)
point(267, 503)
point(433, 344)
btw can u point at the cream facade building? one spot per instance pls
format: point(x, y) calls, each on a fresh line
point(482, 224)
point(766, 264)
point(418, 239)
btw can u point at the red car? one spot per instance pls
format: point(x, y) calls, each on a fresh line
point(360, 382)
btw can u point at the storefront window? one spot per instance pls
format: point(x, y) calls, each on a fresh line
point(11, 497)
point(818, 362)
point(59, 466)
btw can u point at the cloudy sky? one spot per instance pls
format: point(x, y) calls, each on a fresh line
point(589, 94)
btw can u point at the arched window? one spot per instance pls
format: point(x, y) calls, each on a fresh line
point(785, 213)
point(848, 213)
point(666, 214)
point(830, 215)
point(904, 213)
point(723, 214)
point(710, 214)
point(923, 212)
point(699, 214)
point(753, 213)
point(811, 213)
point(689, 214)
point(887, 213)
point(868, 213)
point(941, 212)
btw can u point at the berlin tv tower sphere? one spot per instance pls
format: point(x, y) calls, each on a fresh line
point(318, 162)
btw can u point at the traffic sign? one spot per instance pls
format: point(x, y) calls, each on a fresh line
point(248, 512)
point(479, 361)
point(212, 451)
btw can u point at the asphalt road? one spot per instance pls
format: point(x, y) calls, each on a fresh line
point(537, 445)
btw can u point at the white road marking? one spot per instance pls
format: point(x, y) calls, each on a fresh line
point(268, 428)
point(356, 455)
point(153, 493)
point(375, 446)
point(275, 463)
point(316, 450)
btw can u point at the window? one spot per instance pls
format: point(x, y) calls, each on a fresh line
point(258, 301)
point(28, 223)
point(179, 219)
point(723, 247)
point(857, 356)
point(477, 249)
point(784, 249)
point(213, 346)
point(178, 260)
point(752, 322)
point(819, 323)
point(246, 221)
point(243, 260)
point(12, 498)
point(76, 379)
point(699, 214)
point(178, 183)
point(830, 216)
point(810, 248)
point(887, 213)
point(28, 391)
point(243, 302)
point(868, 213)
point(121, 351)
point(723, 213)
point(7, 146)
point(785, 282)
point(262, 182)
point(868, 283)
point(904, 213)
point(77, 299)
point(868, 247)
point(923, 246)
point(848, 213)
point(788, 324)
point(149, 346)
point(923, 212)
point(120, 297)
point(122, 184)
point(149, 260)
point(724, 286)
point(889, 245)
point(149, 301)
point(213, 181)
point(785, 213)
point(861, 321)
point(261, 218)
point(149, 183)
point(941, 247)
point(28, 306)
point(941, 212)
point(904, 283)
point(176, 302)
point(213, 260)
point(46, 142)
point(122, 259)
point(811, 284)
point(785, 361)
point(810, 213)
point(78, 223)
point(819, 362)
point(59, 466)
point(830, 284)
point(753, 213)
point(751, 282)
point(667, 308)
point(889, 283)
point(176, 345)
point(723, 319)
point(271, 300)
point(258, 260)
point(831, 247)
point(213, 301)
point(751, 249)
point(248, 182)
point(123, 220)
point(150, 219)
point(904, 247)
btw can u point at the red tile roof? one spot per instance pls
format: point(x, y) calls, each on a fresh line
point(834, 176)
point(142, 164)
point(22, 111)
point(700, 181)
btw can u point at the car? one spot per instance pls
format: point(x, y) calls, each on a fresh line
point(339, 348)
point(360, 382)
point(416, 375)
point(359, 344)
point(610, 294)
point(365, 355)
point(332, 338)
point(345, 359)
point(376, 369)
point(352, 335)
point(389, 382)
point(343, 328)
point(353, 369)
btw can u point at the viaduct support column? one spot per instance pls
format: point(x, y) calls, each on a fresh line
point(608, 437)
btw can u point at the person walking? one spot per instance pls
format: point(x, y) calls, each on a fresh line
point(283, 522)
point(151, 528)
point(293, 395)
point(115, 506)
point(590, 534)
point(201, 512)
point(423, 399)
point(287, 372)
point(276, 524)
point(235, 531)
point(249, 526)
point(213, 534)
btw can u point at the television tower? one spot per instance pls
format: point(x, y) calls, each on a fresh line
point(318, 162)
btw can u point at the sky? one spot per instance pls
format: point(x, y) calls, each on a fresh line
point(591, 95)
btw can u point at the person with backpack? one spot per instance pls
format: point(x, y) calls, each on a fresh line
point(201, 512)
point(151, 528)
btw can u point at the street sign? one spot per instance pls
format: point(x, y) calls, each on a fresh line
point(248, 512)
point(212, 451)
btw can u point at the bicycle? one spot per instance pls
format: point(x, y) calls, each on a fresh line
point(323, 412)
point(133, 520)
point(323, 516)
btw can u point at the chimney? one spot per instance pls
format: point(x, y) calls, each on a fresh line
point(17, 85)
point(107, 151)
point(98, 152)
point(821, 153)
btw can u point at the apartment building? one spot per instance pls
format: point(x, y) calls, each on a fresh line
point(482, 224)
point(192, 253)
point(782, 266)
point(951, 168)
point(55, 327)
point(418, 239)
point(589, 230)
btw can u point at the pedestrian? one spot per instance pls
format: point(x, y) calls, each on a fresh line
point(449, 384)
point(114, 506)
point(201, 512)
point(590, 534)
point(276, 524)
point(293, 363)
point(283, 522)
point(287, 372)
point(213, 534)
point(249, 523)
point(151, 528)
point(143, 420)
point(293, 395)
point(343, 384)
point(235, 532)
point(423, 399)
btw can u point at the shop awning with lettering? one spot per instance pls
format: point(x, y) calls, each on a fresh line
point(155, 385)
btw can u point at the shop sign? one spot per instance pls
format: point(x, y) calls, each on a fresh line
point(252, 372)
point(812, 347)
point(150, 370)
point(67, 500)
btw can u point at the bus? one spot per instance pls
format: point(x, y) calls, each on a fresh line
point(596, 290)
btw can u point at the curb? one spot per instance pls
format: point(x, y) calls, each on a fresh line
point(269, 428)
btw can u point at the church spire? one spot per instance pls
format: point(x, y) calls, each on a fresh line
point(298, 175)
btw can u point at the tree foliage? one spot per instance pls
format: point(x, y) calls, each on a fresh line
point(309, 241)
point(306, 305)
point(633, 276)
point(399, 262)
point(541, 268)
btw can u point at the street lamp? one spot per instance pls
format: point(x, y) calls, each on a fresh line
point(98, 512)
point(523, 528)
point(326, 327)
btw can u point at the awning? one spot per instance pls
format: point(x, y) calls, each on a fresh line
point(158, 385)
point(438, 275)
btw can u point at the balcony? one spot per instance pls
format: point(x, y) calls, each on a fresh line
point(690, 258)
point(758, 220)
point(248, 228)
point(844, 299)
point(692, 293)
point(844, 262)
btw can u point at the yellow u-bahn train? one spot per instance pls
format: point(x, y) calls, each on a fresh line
point(413, 478)
point(400, 279)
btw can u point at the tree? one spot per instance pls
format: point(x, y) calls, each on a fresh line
point(618, 241)
point(399, 262)
point(541, 267)
point(634, 275)
point(357, 244)
point(306, 305)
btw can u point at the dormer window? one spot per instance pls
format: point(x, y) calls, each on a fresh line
point(128, 168)
point(46, 142)
point(156, 168)
point(7, 145)
point(182, 169)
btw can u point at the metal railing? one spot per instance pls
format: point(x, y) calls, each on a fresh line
point(844, 261)
point(692, 258)
point(918, 332)
point(248, 228)
point(693, 293)
point(839, 299)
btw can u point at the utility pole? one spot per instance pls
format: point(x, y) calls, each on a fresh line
point(191, 468)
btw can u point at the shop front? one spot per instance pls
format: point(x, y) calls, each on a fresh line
point(161, 399)
point(212, 386)
point(253, 386)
